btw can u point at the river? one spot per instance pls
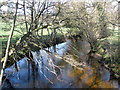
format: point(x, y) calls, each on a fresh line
point(49, 71)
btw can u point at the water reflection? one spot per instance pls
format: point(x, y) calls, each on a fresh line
point(47, 70)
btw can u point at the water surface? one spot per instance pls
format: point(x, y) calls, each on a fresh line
point(49, 71)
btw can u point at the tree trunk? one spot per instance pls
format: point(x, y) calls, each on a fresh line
point(8, 45)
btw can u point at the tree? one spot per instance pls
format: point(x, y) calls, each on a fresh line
point(8, 45)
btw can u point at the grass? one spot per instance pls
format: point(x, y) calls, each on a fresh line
point(114, 37)
point(4, 33)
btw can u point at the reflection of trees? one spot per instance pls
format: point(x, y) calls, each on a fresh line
point(88, 79)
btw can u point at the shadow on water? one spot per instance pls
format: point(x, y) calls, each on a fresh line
point(49, 71)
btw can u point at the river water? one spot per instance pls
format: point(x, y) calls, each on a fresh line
point(49, 71)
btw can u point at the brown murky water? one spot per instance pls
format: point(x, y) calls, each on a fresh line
point(47, 70)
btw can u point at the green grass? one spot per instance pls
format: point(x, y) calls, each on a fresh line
point(45, 31)
point(4, 33)
point(114, 37)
